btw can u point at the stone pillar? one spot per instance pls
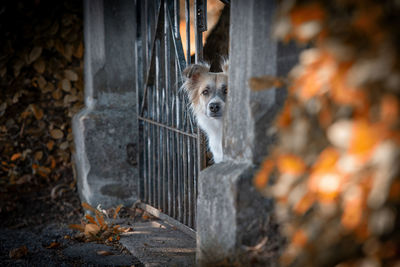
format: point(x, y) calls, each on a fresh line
point(231, 215)
point(105, 131)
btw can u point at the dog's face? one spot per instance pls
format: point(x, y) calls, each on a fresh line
point(207, 90)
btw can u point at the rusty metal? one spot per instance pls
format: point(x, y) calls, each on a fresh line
point(170, 149)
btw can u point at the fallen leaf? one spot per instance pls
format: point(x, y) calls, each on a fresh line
point(88, 207)
point(71, 75)
point(50, 145)
point(18, 253)
point(15, 156)
point(104, 253)
point(40, 66)
point(56, 133)
point(65, 85)
point(117, 211)
point(79, 51)
point(91, 229)
point(90, 219)
point(34, 54)
point(37, 112)
point(78, 227)
point(38, 155)
point(57, 94)
point(54, 245)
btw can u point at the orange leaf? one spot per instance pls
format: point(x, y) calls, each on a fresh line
point(353, 207)
point(304, 204)
point(365, 137)
point(262, 176)
point(54, 245)
point(100, 219)
point(389, 109)
point(16, 156)
point(265, 82)
point(326, 161)
point(78, 227)
point(117, 211)
point(86, 206)
point(285, 118)
point(90, 219)
point(37, 112)
point(291, 164)
point(310, 12)
point(91, 229)
point(300, 238)
point(50, 145)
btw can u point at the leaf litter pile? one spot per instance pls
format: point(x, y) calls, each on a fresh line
point(41, 89)
point(334, 171)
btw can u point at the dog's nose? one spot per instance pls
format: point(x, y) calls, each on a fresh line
point(214, 107)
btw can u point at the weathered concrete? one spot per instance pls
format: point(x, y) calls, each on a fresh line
point(231, 215)
point(156, 243)
point(106, 129)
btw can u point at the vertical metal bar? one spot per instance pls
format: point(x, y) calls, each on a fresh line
point(167, 60)
point(185, 180)
point(190, 181)
point(176, 19)
point(157, 118)
point(200, 25)
point(187, 14)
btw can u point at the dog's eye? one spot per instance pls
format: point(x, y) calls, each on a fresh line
point(205, 92)
point(224, 89)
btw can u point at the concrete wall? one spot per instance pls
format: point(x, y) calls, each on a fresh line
point(105, 131)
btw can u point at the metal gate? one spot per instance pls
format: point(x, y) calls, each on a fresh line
point(170, 143)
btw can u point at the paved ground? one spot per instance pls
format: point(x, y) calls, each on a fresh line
point(156, 243)
point(67, 253)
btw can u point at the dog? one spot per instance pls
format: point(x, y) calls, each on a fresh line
point(207, 93)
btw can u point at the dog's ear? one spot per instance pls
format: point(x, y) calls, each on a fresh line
point(225, 65)
point(194, 71)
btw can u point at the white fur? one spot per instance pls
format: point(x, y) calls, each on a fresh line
point(213, 129)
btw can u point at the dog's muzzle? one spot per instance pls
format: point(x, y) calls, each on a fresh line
point(215, 110)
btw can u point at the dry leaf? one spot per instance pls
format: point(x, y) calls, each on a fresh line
point(265, 82)
point(64, 145)
point(100, 219)
point(37, 112)
point(34, 54)
point(54, 245)
point(57, 94)
point(18, 253)
point(291, 164)
point(78, 227)
point(50, 145)
point(79, 51)
point(262, 176)
point(38, 155)
point(65, 85)
point(56, 134)
point(71, 75)
point(90, 219)
point(15, 156)
point(88, 207)
point(104, 253)
point(300, 238)
point(40, 66)
point(91, 229)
